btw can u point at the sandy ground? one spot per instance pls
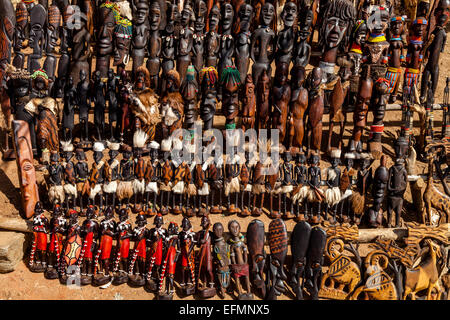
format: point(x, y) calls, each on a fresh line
point(22, 284)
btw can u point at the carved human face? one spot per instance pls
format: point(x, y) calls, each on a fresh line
point(234, 228)
point(121, 48)
point(249, 90)
point(21, 25)
point(106, 32)
point(82, 75)
point(230, 99)
point(281, 74)
point(27, 174)
point(227, 16)
point(6, 35)
point(307, 20)
point(267, 13)
point(361, 35)
point(141, 13)
point(155, 16)
point(334, 31)
point(186, 15)
point(378, 20)
point(200, 13)
point(218, 230)
point(21, 87)
point(417, 29)
point(442, 12)
point(214, 17)
point(37, 21)
point(245, 16)
point(289, 14)
point(52, 28)
point(140, 81)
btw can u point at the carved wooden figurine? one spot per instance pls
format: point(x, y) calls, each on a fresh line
point(281, 96)
point(20, 35)
point(104, 266)
point(137, 272)
point(185, 41)
point(125, 186)
point(55, 178)
point(286, 38)
point(38, 16)
point(198, 47)
point(123, 237)
point(243, 41)
point(297, 108)
point(227, 43)
point(89, 232)
point(333, 193)
point(157, 238)
point(316, 108)
point(170, 262)
point(315, 195)
point(208, 83)
point(154, 44)
point(71, 251)
point(212, 40)
point(363, 184)
point(70, 100)
point(299, 245)
point(58, 227)
point(205, 277)
point(222, 259)
point(141, 32)
point(249, 104)
point(105, 44)
point(262, 101)
point(187, 238)
point(230, 82)
point(27, 175)
point(380, 180)
point(396, 57)
point(37, 260)
point(51, 39)
point(257, 255)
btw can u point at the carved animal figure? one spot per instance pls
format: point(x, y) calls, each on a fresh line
point(379, 285)
point(425, 276)
point(342, 270)
point(432, 197)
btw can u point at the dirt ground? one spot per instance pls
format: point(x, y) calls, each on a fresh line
point(22, 284)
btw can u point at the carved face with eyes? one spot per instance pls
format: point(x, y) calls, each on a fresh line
point(334, 31)
point(442, 12)
point(141, 13)
point(245, 16)
point(122, 41)
point(227, 15)
point(38, 16)
point(155, 16)
point(107, 24)
point(27, 174)
point(200, 13)
point(54, 18)
point(267, 14)
point(21, 25)
point(289, 14)
point(378, 20)
point(186, 16)
point(214, 17)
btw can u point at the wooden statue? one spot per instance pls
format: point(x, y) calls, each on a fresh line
point(286, 38)
point(187, 236)
point(141, 33)
point(231, 183)
point(107, 231)
point(96, 175)
point(314, 261)
point(154, 44)
point(230, 82)
point(105, 43)
point(70, 100)
point(302, 49)
point(396, 185)
point(198, 48)
point(263, 101)
point(113, 104)
point(20, 35)
point(88, 259)
point(216, 173)
point(434, 198)
point(281, 96)
point(396, 57)
point(81, 38)
point(263, 43)
point(51, 39)
point(257, 255)
point(205, 277)
point(278, 244)
point(58, 227)
point(157, 238)
point(37, 261)
point(333, 193)
point(151, 179)
point(137, 271)
point(81, 173)
point(125, 186)
point(185, 41)
point(189, 91)
point(239, 260)
point(38, 16)
point(300, 192)
point(297, 108)
point(380, 179)
point(99, 98)
point(208, 83)
point(165, 177)
point(123, 237)
point(316, 108)
point(212, 40)
point(55, 179)
point(222, 259)
point(123, 32)
point(139, 166)
point(242, 46)
point(249, 104)
point(170, 263)
point(315, 195)
point(435, 45)
point(27, 175)
point(168, 43)
point(363, 183)
point(299, 245)
point(227, 43)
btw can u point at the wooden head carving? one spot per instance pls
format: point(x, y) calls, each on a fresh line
point(27, 174)
point(249, 100)
point(21, 25)
point(7, 25)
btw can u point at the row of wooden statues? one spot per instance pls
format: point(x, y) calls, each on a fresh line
point(189, 54)
point(154, 258)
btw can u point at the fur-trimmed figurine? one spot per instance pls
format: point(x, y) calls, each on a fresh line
point(111, 173)
point(363, 183)
point(315, 194)
point(151, 179)
point(139, 165)
point(165, 180)
point(70, 186)
point(187, 242)
point(333, 193)
point(55, 179)
point(125, 185)
point(136, 271)
point(301, 191)
point(123, 235)
point(157, 239)
point(97, 174)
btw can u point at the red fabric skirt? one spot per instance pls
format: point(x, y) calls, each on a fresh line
point(89, 240)
point(40, 239)
point(158, 253)
point(171, 253)
point(105, 246)
point(141, 249)
point(59, 238)
point(184, 257)
point(124, 248)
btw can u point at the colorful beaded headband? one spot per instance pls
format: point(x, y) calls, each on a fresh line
point(39, 73)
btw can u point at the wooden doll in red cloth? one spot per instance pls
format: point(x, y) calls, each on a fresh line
point(203, 239)
point(58, 226)
point(123, 233)
point(89, 231)
point(136, 273)
point(157, 239)
point(170, 263)
point(38, 253)
point(187, 257)
point(107, 232)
